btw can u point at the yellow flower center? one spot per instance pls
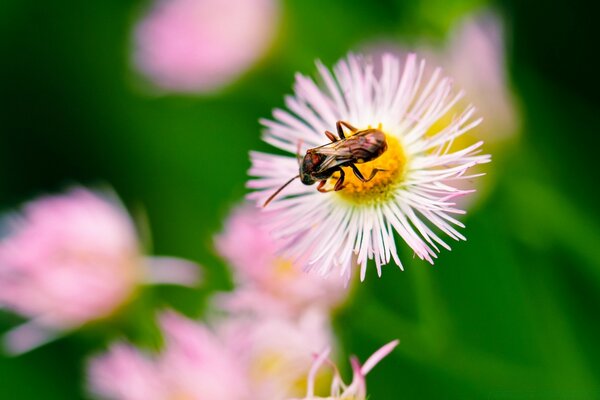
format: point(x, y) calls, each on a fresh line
point(283, 268)
point(392, 167)
point(275, 365)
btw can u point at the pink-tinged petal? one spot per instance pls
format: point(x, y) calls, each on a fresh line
point(378, 356)
point(171, 270)
point(28, 336)
point(124, 373)
point(357, 390)
point(194, 364)
point(197, 363)
point(312, 374)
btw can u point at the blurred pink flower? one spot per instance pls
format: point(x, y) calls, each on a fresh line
point(275, 351)
point(194, 364)
point(70, 259)
point(124, 373)
point(266, 282)
point(474, 55)
point(357, 389)
point(202, 45)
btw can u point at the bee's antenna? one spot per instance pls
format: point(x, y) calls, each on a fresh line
point(279, 190)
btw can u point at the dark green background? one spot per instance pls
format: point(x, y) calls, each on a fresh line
point(510, 314)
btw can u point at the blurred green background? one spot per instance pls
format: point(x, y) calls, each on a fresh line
point(510, 314)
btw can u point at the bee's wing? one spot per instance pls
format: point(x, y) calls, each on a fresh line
point(336, 154)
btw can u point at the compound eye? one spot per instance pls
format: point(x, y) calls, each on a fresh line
point(314, 158)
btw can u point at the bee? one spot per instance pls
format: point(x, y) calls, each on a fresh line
point(320, 163)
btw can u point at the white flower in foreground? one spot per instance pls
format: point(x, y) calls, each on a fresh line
point(413, 193)
point(357, 389)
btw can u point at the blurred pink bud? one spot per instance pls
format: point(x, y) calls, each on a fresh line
point(194, 364)
point(276, 351)
point(70, 259)
point(202, 45)
point(357, 389)
point(267, 283)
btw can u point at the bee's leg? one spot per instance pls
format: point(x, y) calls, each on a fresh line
point(331, 136)
point(320, 186)
point(340, 130)
point(374, 172)
point(357, 172)
point(360, 176)
point(339, 185)
point(347, 125)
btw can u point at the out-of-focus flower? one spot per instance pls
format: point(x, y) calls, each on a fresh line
point(357, 389)
point(194, 364)
point(278, 315)
point(124, 373)
point(474, 56)
point(202, 45)
point(277, 352)
point(267, 283)
point(413, 189)
point(73, 258)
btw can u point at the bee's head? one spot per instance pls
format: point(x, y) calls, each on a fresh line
point(309, 164)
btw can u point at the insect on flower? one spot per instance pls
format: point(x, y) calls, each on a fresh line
point(320, 163)
point(420, 173)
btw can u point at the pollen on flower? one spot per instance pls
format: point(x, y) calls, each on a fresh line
point(392, 166)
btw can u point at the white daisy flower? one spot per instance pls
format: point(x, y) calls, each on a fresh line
point(413, 180)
